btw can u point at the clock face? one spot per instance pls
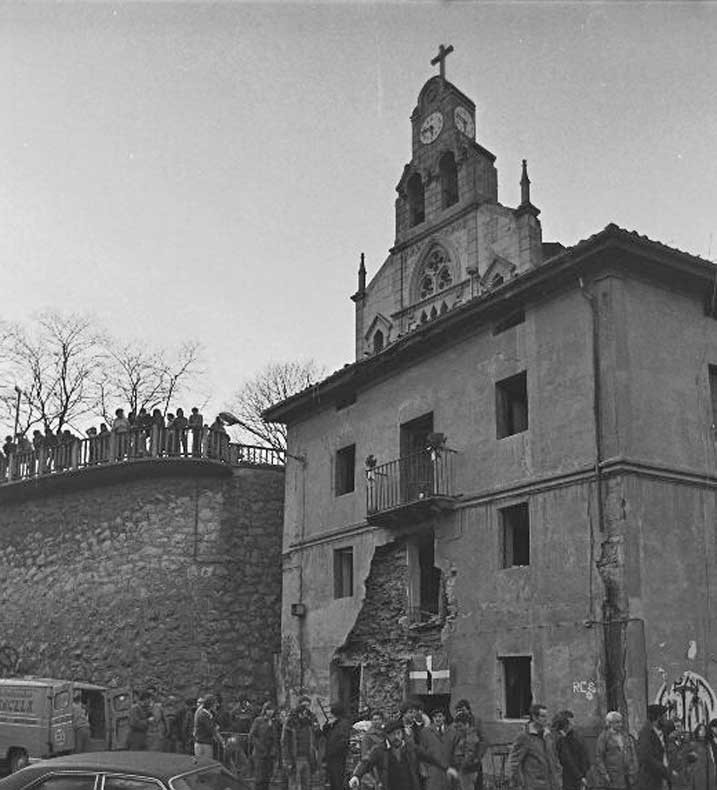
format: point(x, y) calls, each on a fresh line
point(464, 122)
point(431, 127)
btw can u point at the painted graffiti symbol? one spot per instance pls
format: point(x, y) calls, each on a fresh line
point(586, 687)
point(690, 700)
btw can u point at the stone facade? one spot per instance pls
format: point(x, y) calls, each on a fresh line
point(578, 395)
point(171, 580)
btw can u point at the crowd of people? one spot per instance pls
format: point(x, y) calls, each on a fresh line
point(130, 436)
point(416, 751)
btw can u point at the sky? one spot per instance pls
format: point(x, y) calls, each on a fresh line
point(213, 171)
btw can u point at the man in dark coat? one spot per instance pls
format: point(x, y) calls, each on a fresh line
point(139, 721)
point(336, 733)
point(653, 772)
point(572, 754)
point(264, 746)
point(397, 761)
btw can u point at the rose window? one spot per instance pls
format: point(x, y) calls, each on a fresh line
point(437, 274)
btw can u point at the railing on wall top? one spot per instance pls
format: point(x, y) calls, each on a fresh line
point(410, 478)
point(106, 449)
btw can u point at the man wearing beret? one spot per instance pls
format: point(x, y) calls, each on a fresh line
point(396, 760)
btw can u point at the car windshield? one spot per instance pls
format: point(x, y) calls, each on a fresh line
point(212, 778)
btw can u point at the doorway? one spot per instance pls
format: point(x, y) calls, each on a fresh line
point(348, 688)
point(416, 470)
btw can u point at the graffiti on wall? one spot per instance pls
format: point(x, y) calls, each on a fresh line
point(586, 687)
point(690, 700)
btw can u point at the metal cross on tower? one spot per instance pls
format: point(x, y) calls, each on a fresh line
point(443, 53)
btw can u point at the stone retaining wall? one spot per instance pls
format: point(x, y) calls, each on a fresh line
point(171, 580)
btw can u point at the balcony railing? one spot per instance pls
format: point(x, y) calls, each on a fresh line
point(107, 449)
point(417, 479)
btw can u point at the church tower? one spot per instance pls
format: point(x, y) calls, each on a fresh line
point(454, 241)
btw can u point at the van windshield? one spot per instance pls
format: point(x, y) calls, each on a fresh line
point(213, 778)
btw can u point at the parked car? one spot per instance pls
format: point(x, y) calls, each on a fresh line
point(124, 770)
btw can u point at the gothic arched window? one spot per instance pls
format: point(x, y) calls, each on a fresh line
point(436, 275)
point(449, 179)
point(378, 341)
point(416, 200)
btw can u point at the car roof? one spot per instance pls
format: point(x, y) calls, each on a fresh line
point(31, 680)
point(160, 765)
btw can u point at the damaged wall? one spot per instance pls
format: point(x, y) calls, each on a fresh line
point(383, 640)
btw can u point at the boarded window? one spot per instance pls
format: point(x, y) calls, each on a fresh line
point(511, 405)
point(516, 681)
point(345, 470)
point(515, 535)
point(344, 572)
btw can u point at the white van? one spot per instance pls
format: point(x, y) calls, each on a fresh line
point(36, 718)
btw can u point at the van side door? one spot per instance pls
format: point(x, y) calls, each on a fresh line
point(117, 705)
point(62, 734)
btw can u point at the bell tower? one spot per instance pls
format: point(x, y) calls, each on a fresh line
point(448, 169)
point(453, 241)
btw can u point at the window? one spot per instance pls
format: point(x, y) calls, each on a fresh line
point(515, 535)
point(713, 392)
point(67, 782)
point(344, 572)
point(436, 274)
point(345, 470)
point(214, 778)
point(424, 578)
point(511, 405)
point(378, 341)
point(512, 319)
point(129, 783)
point(449, 179)
point(516, 682)
point(416, 200)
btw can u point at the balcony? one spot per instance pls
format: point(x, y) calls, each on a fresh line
point(200, 448)
point(411, 487)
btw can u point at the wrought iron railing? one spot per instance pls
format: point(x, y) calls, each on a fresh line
point(137, 444)
point(411, 478)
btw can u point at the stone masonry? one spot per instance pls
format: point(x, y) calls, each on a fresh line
point(173, 581)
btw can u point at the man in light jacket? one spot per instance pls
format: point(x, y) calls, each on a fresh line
point(533, 763)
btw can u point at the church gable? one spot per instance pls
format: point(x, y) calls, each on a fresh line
point(450, 225)
point(499, 272)
point(378, 334)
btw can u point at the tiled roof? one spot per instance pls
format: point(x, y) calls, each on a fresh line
point(610, 232)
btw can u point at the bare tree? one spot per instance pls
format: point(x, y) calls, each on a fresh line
point(51, 366)
point(274, 383)
point(137, 377)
